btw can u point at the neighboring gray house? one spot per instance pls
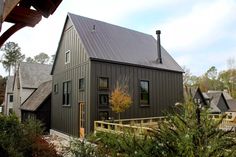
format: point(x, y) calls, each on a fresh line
point(38, 105)
point(91, 57)
point(8, 99)
point(27, 79)
point(218, 102)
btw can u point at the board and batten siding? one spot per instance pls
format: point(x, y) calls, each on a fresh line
point(65, 119)
point(166, 88)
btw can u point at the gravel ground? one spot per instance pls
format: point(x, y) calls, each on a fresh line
point(61, 144)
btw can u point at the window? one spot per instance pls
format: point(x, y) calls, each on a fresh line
point(81, 84)
point(55, 89)
point(103, 115)
point(67, 57)
point(144, 93)
point(67, 93)
point(10, 98)
point(103, 100)
point(103, 83)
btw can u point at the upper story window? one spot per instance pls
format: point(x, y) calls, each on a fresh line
point(81, 84)
point(67, 57)
point(55, 88)
point(144, 93)
point(10, 98)
point(67, 93)
point(103, 83)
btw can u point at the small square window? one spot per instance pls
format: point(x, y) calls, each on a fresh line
point(103, 100)
point(81, 84)
point(103, 115)
point(67, 57)
point(55, 88)
point(103, 83)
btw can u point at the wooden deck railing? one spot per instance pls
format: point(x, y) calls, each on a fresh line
point(146, 125)
point(137, 125)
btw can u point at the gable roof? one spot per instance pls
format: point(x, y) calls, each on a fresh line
point(9, 85)
point(37, 97)
point(33, 74)
point(215, 98)
point(117, 44)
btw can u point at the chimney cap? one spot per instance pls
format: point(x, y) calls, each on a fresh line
point(158, 31)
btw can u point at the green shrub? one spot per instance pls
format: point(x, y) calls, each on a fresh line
point(23, 139)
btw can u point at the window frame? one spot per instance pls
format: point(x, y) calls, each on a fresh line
point(83, 87)
point(140, 94)
point(67, 58)
point(11, 98)
point(67, 95)
point(103, 111)
point(99, 100)
point(55, 88)
point(103, 88)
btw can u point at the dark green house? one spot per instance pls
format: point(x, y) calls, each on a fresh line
point(91, 57)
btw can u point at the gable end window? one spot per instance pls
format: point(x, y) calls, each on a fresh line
point(103, 83)
point(67, 57)
point(67, 93)
point(144, 93)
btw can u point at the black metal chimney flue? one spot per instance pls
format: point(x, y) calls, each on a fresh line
point(159, 58)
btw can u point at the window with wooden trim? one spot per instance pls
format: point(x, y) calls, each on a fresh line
point(67, 93)
point(55, 88)
point(103, 115)
point(81, 84)
point(103, 83)
point(67, 57)
point(144, 93)
point(103, 100)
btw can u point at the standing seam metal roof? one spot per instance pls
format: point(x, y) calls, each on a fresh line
point(115, 43)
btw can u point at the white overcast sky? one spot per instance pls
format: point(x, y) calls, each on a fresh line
point(198, 34)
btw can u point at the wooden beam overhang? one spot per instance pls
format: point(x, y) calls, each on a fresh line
point(24, 16)
point(21, 14)
point(46, 10)
point(10, 31)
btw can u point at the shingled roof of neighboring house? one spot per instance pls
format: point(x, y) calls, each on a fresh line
point(108, 42)
point(226, 94)
point(37, 97)
point(33, 74)
point(232, 104)
point(215, 98)
point(9, 85)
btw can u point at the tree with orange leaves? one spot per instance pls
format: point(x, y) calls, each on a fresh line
point(120, 99)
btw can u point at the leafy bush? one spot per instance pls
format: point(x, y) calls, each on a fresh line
point(23, 139)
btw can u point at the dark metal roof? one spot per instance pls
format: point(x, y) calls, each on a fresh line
point(105, 41)
point(33, 74)
point(38, 97)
